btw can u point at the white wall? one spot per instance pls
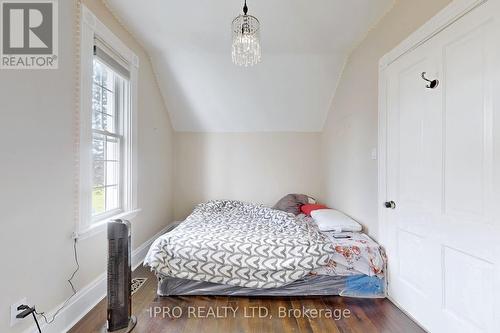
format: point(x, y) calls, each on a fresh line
point(350, 132)
point(37, 170)
point(255, 167)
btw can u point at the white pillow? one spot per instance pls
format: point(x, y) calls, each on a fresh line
point(333, 220)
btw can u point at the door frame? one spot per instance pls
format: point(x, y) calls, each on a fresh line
point(446, 17)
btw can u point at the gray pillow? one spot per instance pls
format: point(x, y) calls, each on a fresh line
point(291, 203)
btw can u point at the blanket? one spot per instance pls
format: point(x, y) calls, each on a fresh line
point(241, 244)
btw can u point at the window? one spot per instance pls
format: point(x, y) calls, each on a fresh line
point(108, 91)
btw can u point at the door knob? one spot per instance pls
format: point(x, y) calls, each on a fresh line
point(390, 204)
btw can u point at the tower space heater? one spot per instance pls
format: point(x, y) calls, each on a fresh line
point(119, 318)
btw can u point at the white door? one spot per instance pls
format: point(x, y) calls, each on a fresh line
point(443, 174)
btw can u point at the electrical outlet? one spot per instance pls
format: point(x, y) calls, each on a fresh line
point(14, 311)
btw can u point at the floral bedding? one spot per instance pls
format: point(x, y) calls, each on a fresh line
point(357, 254)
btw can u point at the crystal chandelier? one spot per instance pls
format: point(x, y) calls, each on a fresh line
point(246, 44)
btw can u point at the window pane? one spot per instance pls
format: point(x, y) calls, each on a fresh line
point(99, 173)
point(112, 148)
point(108, 123)
point(97, 120)
point(112, 173)
point(98, 149)
point(98, 68)
point(108, 78)
point(106, 173)
point(98, 201)
point(108, 102)
point(96, 98)
point(96, 107)
point(104, 113)
point(112, 198)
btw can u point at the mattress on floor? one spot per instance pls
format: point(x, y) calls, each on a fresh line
point(312, 285)
point(236, 248)
point(240, 244)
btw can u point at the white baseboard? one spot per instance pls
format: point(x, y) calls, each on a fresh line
point(89, 296)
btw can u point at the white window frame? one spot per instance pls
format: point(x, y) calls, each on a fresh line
point(92, 28)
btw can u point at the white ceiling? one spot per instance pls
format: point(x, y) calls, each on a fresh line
point(304, 47)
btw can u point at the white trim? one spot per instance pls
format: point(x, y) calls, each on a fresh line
point(90, 20)
point(382, 155)
point(89, 296)
point(98, 227)
point(91, 28)
point(446, 17)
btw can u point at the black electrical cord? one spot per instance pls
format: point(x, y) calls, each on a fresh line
point(36, 322)
point(70, 281)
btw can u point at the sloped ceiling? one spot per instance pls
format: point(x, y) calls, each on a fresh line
point(305, 44)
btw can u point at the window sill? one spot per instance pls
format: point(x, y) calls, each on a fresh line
point(100, 226)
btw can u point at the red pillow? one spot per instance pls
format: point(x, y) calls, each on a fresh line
point(307, 209)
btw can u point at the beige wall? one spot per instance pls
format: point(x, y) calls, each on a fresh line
point(37, 167)
point(255, 167)
point(350, 132)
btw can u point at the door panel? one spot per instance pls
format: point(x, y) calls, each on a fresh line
point(464, 132)
point(465, 289)
point(412, 177)
point(410, 271)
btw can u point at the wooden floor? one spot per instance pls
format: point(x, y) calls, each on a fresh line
point(285, 314)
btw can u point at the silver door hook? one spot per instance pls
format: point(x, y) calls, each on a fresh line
point(432, 83)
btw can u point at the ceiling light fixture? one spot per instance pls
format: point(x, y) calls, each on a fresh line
point(246, 39)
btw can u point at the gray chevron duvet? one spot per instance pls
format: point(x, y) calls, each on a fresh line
point(240, 244)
